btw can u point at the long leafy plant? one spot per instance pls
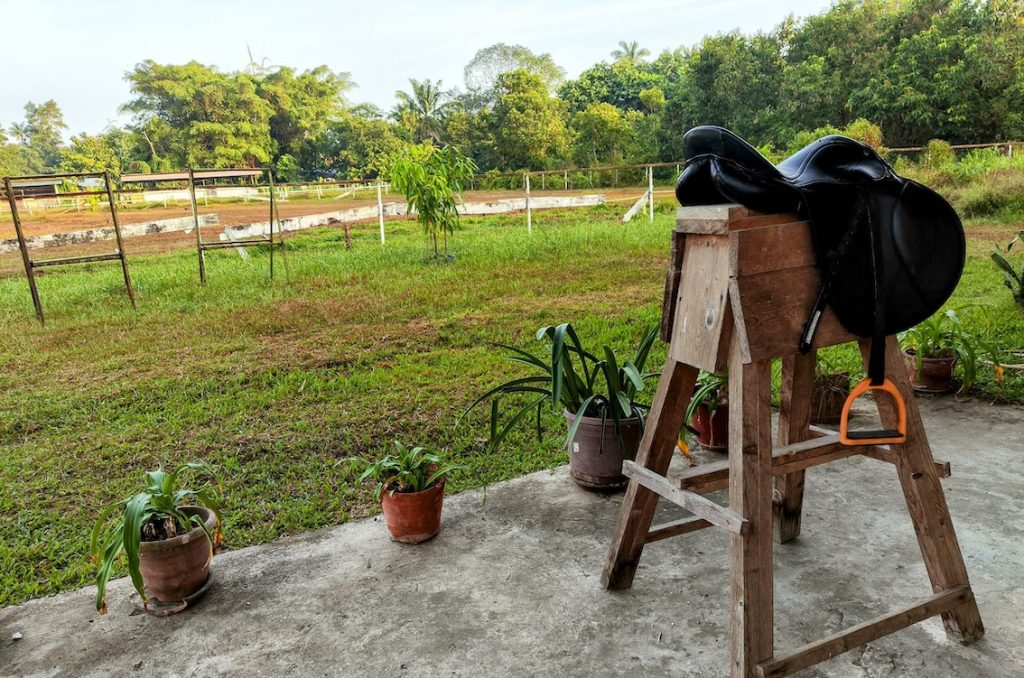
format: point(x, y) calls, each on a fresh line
point(157, 509)
point(412, 469)
point(944, 336)
point(571, 378)
point(1013, 279)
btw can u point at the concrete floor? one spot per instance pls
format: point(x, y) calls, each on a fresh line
point(511, 587)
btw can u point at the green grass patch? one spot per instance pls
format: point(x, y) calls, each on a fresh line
point(277, 384)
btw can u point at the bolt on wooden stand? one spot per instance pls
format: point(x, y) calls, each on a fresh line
point(11, 185)
point(739, 287)
point(191, 176)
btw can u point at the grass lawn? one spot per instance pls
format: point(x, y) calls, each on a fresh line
point(277, 384)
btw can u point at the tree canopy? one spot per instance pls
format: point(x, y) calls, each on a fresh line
point(914, 70)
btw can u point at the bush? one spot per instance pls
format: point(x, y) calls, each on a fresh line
point(938, 153)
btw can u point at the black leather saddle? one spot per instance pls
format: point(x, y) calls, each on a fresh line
point(891, 251)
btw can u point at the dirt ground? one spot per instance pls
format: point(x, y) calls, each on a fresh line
point(43, 222)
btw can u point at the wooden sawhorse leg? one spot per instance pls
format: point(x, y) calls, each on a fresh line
point(794, 427)
point(664, 422)
point(926, 502)
point(751, 590)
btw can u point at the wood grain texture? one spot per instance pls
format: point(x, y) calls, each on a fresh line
point(771, 248)
point(926, 501)
point(702, 318)
point(794, 427)
point(664, 422)
point(838, 643)
point(691, 501)
point(751, 588)
point(672, 277)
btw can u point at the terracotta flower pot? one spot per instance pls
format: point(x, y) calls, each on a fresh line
point(595, 455)
point(935, 375)
point(173, 569)
point(712, 430)
point(828, 396)
point(413, 517)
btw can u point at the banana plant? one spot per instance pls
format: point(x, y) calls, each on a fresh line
point(572, 378)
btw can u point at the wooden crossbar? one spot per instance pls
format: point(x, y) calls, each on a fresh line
point(676, 528)
point(823, 448)
point(76, 260)
point(843, 641)
point(691, 501)
point(238, 243)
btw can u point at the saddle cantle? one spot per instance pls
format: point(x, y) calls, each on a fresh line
point(891, 251)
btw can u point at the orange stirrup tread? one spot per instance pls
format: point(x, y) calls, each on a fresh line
point(876, 436)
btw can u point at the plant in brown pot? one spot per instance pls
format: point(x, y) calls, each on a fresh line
point(410, 488)
point(597, 396)
point(707, 415)
point(168, 533)
point(830, 389)
point(933, 347)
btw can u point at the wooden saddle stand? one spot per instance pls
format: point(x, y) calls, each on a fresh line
point(739, 287)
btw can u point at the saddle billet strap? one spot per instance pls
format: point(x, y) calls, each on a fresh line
point(814, 317)
point(876, 358)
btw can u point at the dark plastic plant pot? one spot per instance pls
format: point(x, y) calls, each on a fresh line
point(712, 431)
point(935, 375)
point(173, 569)
point(828, 397)
point(413, 517)
point(595, 455)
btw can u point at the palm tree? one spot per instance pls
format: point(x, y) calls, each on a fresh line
point(631, 52)
point(425, 108)
point(20, 132)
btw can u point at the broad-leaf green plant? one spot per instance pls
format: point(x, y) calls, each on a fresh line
point(411, 469)
point(157, 509)
point(944, 336)
point(432, 180)
point(709, 391)
point(574, 379)
point(1013, 279)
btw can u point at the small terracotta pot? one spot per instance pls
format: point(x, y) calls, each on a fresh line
point(935, 376)
point(413, 517)
point(173, 569)
point(828, 396)
point(595, 455)
point(712, 431)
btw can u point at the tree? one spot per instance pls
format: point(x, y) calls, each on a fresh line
point(303, 104)
point(422, 111)
point(481, 73)
point(618, 84)
point(631, 52)
point(431, 178)
point(356, 145)
point(42, 131)
point(602, 135)
point(202, 117)
point(527, 124)
point(111, 151)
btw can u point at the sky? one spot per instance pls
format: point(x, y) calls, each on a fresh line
point(77, 51)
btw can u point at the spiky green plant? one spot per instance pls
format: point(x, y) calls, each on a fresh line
point(120, 525)
point(944, 336)
point(1013, 280)
point(572, 378)
point(413, 469)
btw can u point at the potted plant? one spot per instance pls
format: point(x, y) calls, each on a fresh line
point(829, 391)
point(168, 534)
point(410, 488)
point(596, 395)
point(933, 347)
point(707, 415)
